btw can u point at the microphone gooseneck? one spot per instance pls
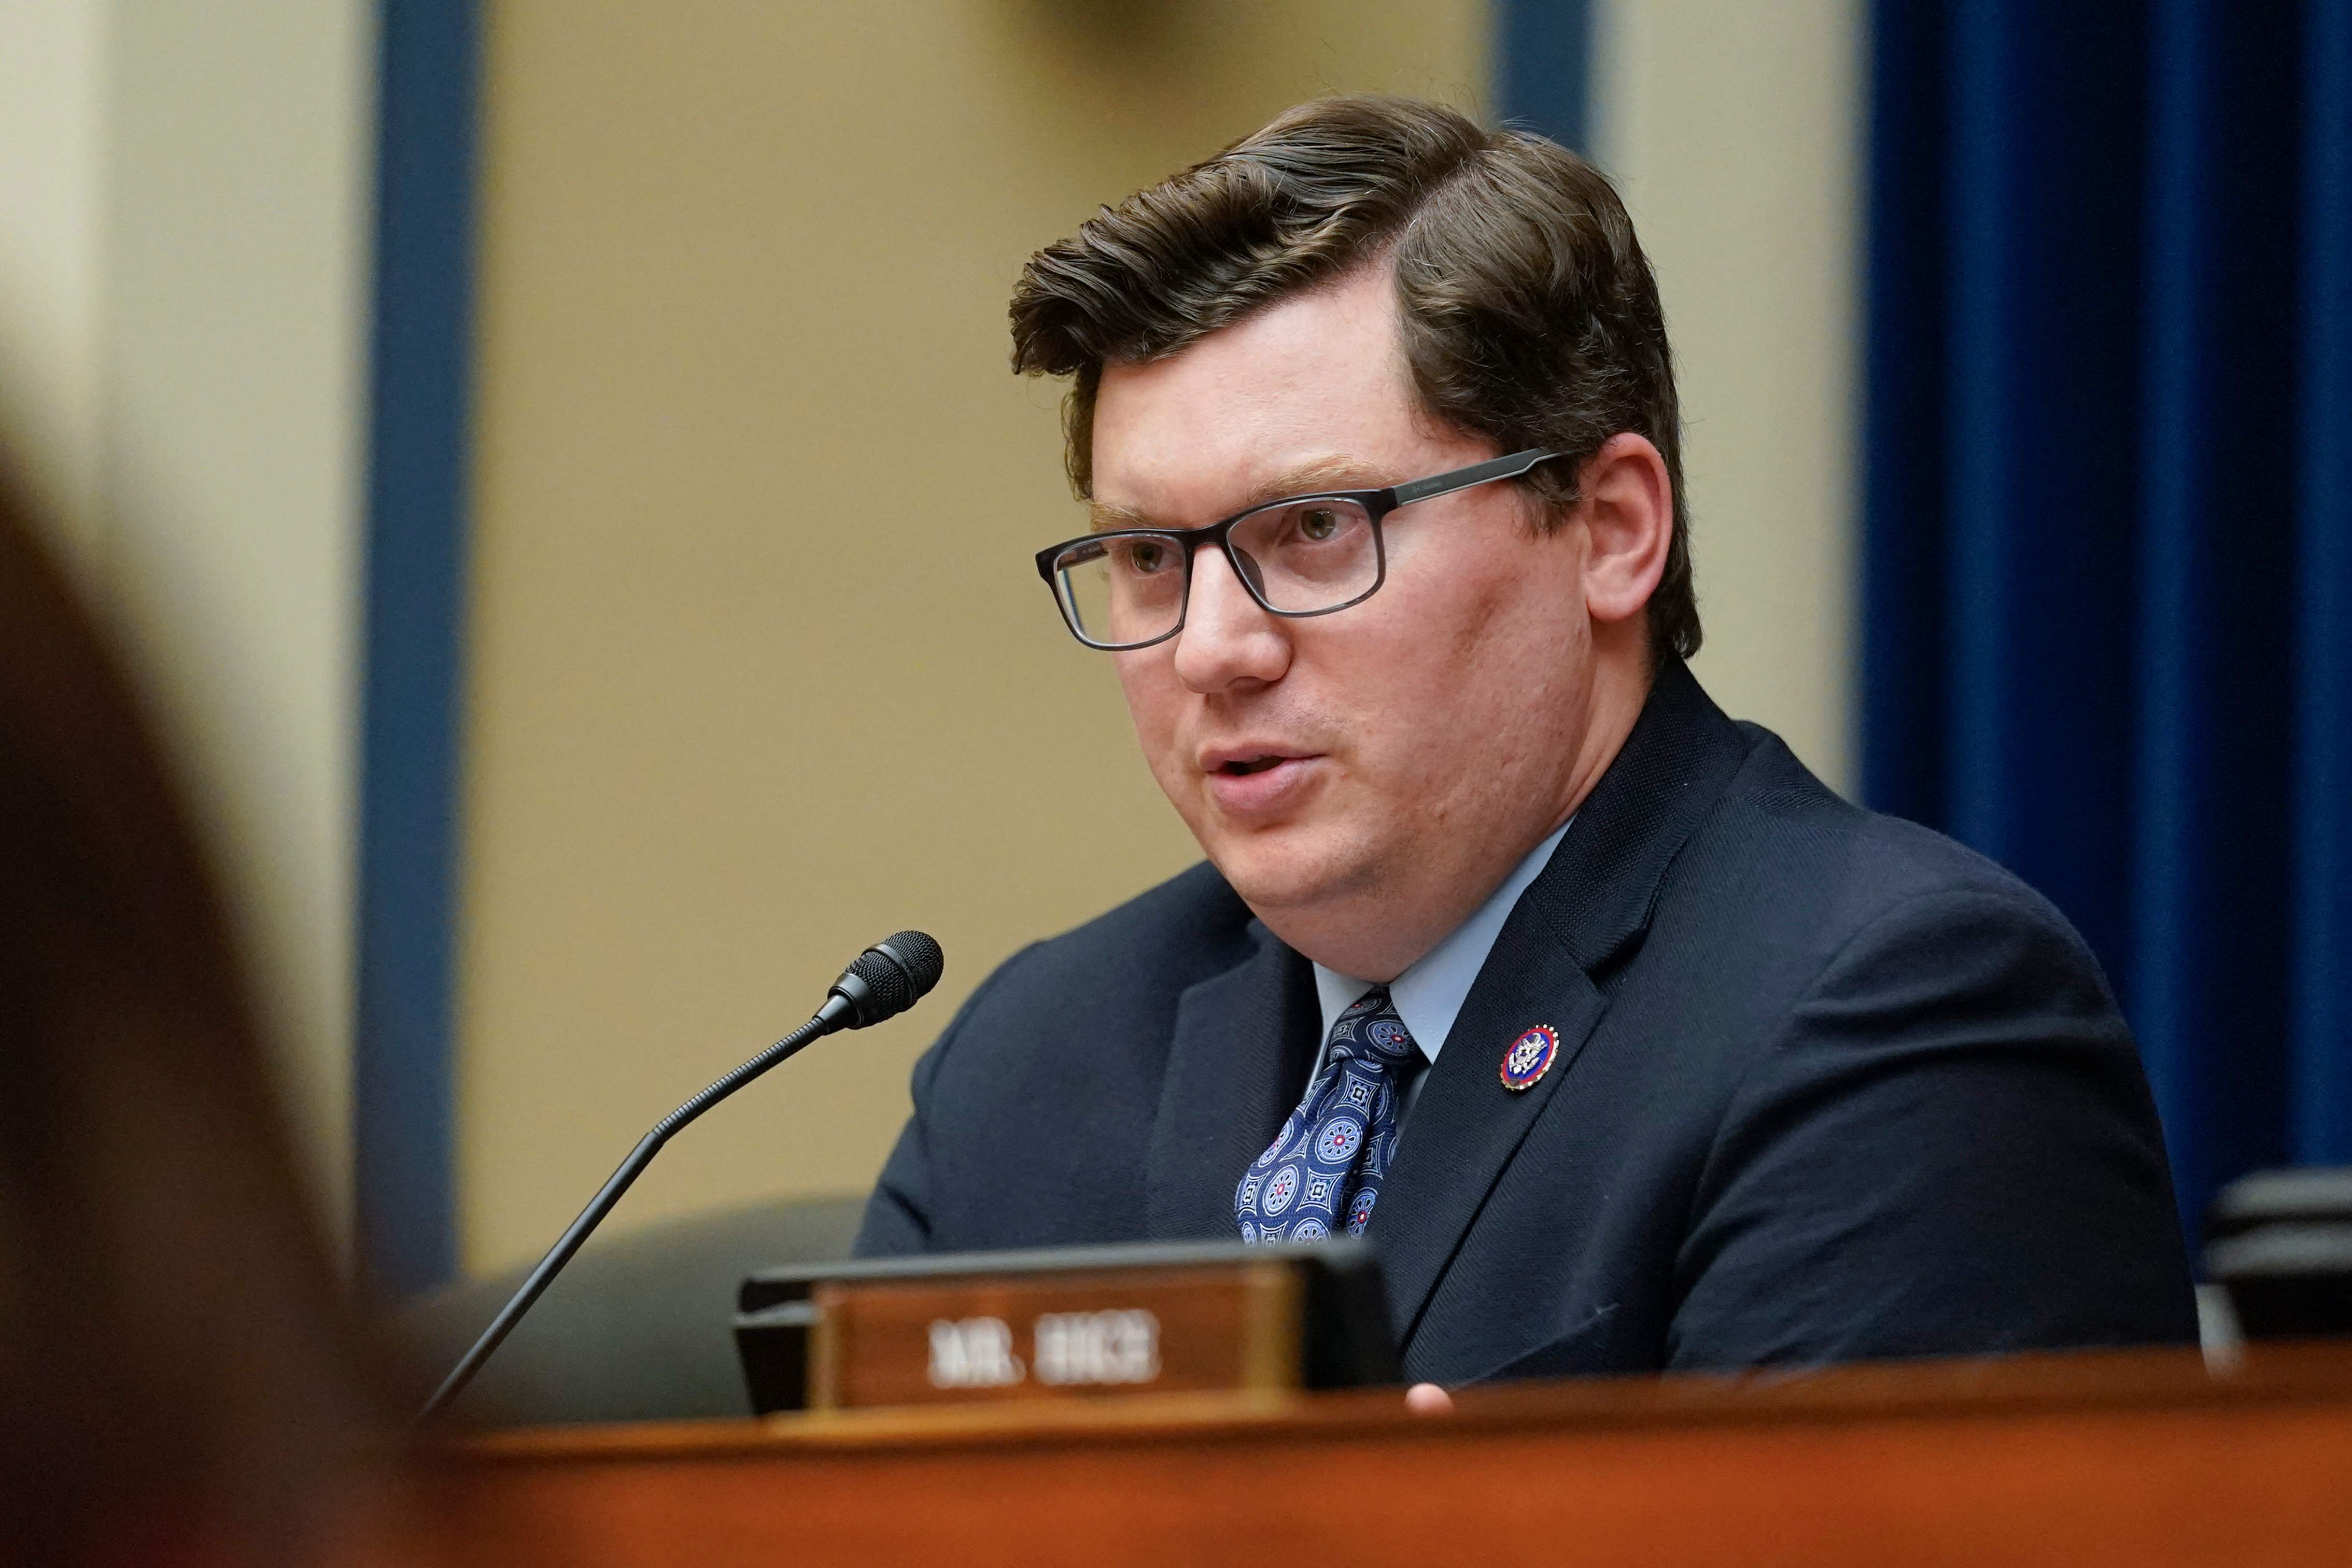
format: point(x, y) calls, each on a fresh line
point(880, 983)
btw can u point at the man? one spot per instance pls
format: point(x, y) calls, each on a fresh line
point(1628, 1044)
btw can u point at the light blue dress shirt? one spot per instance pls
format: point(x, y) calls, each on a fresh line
point(1429, 996)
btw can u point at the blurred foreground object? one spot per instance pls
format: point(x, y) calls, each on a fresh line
point(177, 1379)
point(2280, 1243)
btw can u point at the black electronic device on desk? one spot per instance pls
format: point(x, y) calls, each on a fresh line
point(2280, 1243)
point(1182, 1317)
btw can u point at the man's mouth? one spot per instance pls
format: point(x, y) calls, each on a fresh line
point(1249, 783)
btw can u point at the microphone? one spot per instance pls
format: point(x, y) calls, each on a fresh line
point(884, 980)
point(880, 983)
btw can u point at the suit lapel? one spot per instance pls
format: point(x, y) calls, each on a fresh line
point(1578, 921)
point(1465, 1126)
point(1236, 1067)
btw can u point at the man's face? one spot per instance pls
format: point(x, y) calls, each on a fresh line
point(1361, 778)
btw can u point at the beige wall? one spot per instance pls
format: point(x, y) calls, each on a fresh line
point(761, 668)
point(184, 200)
point(53, 103)
point(241, 154)
point(1732, 128)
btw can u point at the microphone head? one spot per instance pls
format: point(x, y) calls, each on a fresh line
point(891, 977)
point(919, 957)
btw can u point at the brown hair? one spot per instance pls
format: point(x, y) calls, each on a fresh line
point(1530, 315)
point(182, 1381)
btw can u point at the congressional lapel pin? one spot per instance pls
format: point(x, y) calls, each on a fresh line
point(1530, 1057)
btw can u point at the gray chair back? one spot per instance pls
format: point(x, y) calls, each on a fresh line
point(639, 1327)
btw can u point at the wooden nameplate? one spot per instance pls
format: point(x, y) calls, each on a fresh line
point(1072, 1322)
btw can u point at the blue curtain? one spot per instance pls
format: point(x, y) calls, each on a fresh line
point(1543, 67)
point(404, 1110)
point(2107, 536)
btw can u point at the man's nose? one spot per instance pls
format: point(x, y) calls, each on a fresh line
point(1228, 637)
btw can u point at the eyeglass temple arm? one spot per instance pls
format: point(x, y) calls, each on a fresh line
point(1510, 467)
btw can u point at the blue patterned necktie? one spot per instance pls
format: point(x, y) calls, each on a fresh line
point(1330, 1157)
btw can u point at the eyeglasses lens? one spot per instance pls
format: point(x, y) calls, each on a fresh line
point(1309, 555)
point(1124, 591)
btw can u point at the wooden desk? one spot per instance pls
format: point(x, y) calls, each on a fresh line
point(2136, 1459)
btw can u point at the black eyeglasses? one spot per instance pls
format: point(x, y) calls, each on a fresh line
point(1300, 556)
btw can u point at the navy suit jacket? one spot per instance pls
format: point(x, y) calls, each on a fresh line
point(1829, 1086)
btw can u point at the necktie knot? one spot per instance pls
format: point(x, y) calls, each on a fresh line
point(1323, 1171)
point(1371, 1029)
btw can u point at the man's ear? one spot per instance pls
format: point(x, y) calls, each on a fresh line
point(1626, 502)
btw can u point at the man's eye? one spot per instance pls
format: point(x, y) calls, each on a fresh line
point(1319, 523)
point(1146, 556)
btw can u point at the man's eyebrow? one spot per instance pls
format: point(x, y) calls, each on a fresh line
point(1104, 516)
point(1307, 479)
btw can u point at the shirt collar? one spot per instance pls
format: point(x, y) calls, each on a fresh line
point(1429, 995)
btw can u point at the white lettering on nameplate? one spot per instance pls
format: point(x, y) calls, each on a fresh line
point(973, 1352)
point(1097, 1348)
